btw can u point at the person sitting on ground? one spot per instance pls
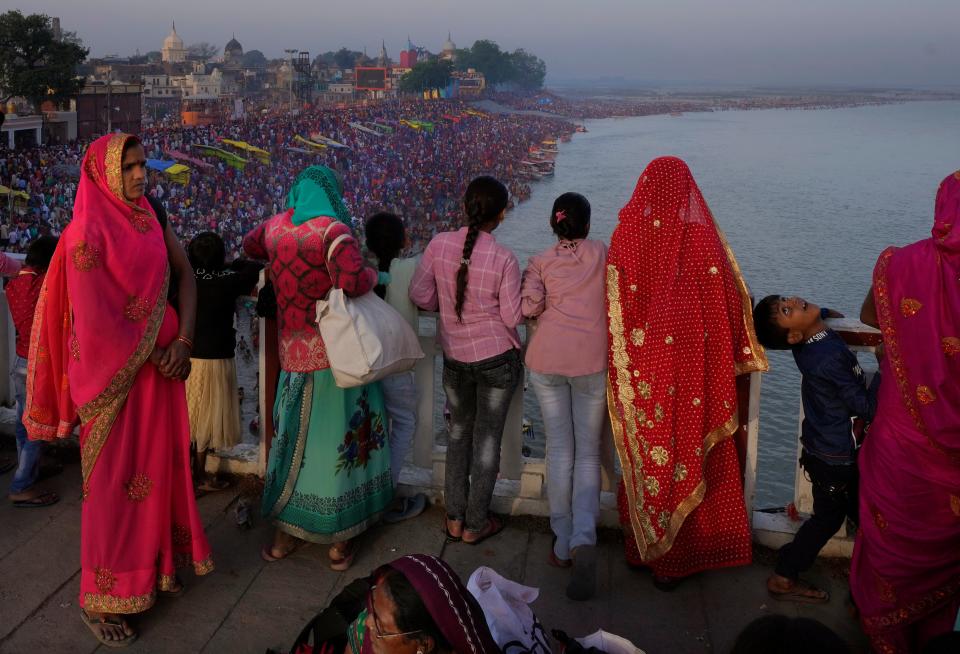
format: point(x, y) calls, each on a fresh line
point(786, 635)
point(212, 395)
point(23, 291)
point(386, 238)
point(833, 391)
point(417, 603)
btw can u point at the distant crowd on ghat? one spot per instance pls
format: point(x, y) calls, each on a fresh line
point(411, 171)
point(652, 331)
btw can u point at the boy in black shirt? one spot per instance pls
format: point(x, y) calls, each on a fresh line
point(834, 394)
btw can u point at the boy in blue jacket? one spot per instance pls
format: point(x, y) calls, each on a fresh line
point(836, 403)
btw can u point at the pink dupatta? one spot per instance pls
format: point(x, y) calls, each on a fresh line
point(100, 308)
point(906, 571)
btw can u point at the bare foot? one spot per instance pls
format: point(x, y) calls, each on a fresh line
point(34, 497)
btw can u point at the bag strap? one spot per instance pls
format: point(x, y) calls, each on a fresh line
point(337, 241)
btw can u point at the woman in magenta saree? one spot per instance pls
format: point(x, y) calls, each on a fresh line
point(905, 577)
point(108, 350)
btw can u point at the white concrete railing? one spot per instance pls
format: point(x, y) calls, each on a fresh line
point(522, 485)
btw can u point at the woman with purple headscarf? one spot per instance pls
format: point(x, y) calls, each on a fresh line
point(414, 605)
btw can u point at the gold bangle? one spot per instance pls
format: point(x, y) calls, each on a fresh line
point(186, 341)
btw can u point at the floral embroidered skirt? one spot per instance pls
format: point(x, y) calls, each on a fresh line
point(328, 476)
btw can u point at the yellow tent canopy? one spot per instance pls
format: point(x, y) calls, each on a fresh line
point(259, 154)
point(312, 144)
point(179, 174)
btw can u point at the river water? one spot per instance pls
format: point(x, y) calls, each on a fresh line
point(807, 199)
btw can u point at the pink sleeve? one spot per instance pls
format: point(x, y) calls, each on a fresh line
point(8, 266)
point(348, 270)
point(423, 285)
point(532, 293)
point(254, 243)
point(510, 293)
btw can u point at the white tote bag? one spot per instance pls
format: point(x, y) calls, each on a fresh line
point(366, 339)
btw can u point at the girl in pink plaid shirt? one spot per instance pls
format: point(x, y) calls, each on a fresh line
point(475, 284)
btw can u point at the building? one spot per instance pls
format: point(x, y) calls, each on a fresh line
point(449, 50)
point(173, 51)
point(408, 57)
point(382, 59)
point(233, 54)
point(468, 83)
point(105, 108)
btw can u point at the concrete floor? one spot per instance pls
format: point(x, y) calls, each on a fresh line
point(247, 605)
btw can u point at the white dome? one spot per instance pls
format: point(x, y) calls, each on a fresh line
point(173, 41)
point(449, 45)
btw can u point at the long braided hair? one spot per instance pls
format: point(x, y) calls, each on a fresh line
point(483, 202)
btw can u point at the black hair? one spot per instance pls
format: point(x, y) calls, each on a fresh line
point(770, 334)
point(131, 142)
point(385, 237)
point(570, 216)
point(485, 199)
point(206, 251)
point(411, 613)
point(40, 252)
point(786, 635)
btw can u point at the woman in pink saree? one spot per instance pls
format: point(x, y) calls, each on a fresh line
point(905, 577)
point(109, 351)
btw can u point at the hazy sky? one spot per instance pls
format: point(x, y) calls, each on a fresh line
point(895, 42)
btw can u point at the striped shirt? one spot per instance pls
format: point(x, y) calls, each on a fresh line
point(491, 307)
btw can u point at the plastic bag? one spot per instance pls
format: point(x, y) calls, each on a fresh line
point(506, 606)
point(609, 643)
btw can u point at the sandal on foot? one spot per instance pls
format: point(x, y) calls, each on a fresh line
point(266, 552)
point(345, 560)
point(177, 590)
point(213, 485)
point(41, 500)
point(494, 527)
point(555, 560)
point(802, 593)
point(452, 537)
point(94, 625)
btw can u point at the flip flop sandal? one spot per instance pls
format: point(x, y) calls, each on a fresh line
point(343, 563)
point(494, 527)
point(797, 594)
point(93, 625)
point(446, 530)
point(555, 560)
point(44, 499)
point(266, 552)
point(173, 593)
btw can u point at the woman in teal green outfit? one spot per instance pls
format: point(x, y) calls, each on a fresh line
point(328, 476)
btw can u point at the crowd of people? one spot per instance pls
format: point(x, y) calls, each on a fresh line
point(411, 171)
point(666, 375)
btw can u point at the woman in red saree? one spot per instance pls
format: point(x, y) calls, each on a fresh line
point(108, 350)
point(905, 576)
point(681, 330)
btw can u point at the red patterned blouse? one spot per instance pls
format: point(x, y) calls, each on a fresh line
point(302, 274)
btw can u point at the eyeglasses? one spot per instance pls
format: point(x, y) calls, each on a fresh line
point(381, 634)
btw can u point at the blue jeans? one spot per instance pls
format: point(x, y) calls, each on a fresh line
point(573, 410)
point(479, 396)
point(28, 452)
point(400, 401)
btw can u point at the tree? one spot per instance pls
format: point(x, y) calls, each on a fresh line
point(203, 51)
point(527, 70)
point(345, 58)
point(426, 75)
point(254, 59)
point(486, 57)
point(33, 63)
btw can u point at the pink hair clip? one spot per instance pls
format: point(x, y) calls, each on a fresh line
point(561, 215)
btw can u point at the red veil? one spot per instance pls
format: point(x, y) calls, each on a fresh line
point(100, 307)
point(681, 330)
